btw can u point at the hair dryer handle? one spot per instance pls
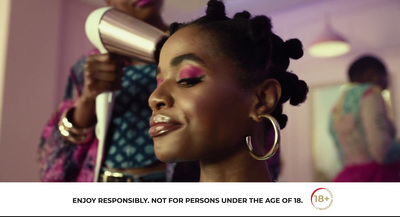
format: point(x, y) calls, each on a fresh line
point(105, 100)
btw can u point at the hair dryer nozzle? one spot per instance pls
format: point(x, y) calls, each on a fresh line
point(114, 31)
point(92, 28)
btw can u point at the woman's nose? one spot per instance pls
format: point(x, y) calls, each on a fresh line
point(160, 98)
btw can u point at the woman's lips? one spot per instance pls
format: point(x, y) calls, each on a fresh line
point(161, 124)
point(161, 129)
point(142, 3)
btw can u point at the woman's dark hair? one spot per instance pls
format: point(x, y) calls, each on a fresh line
point(256, 51)
point(363, 64)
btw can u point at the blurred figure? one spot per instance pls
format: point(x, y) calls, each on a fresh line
point(68, 149)
point(361, 127)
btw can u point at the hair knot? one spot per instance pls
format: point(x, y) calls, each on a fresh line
point(242, 15)
point(293, 48)
point(215, 9)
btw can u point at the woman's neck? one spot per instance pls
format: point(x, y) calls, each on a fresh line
point(239, 168)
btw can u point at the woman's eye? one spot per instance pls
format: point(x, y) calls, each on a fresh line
point(190, 82)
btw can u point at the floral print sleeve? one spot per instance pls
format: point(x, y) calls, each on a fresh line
point(60, 160)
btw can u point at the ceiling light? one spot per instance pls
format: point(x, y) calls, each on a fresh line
point(329, 44)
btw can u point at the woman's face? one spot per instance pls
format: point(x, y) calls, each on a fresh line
point(199, 111)
point(140, 9)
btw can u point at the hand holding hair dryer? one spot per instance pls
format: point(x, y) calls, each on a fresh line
point(113, 31)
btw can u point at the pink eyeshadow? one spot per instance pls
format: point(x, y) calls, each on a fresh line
point(190, 72)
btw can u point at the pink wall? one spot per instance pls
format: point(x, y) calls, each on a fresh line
point(73, 41)
point(45, 38)
point(28, 85)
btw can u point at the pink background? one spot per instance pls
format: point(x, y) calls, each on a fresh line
point(41, 39)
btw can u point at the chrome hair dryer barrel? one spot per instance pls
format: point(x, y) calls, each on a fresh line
point(114, 31)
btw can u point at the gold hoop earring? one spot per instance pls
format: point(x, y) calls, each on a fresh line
point(275, 146)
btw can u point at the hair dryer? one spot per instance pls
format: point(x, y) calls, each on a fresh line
point(114, 31)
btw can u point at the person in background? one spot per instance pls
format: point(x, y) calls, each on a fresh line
point(221, 86)
point(361, 128)
point(68, 147)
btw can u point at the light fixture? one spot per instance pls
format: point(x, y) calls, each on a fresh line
point(329, 44)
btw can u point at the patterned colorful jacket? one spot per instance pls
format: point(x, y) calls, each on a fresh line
point(60, 160)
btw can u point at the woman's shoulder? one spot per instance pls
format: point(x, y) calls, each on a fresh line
point(144, 68)
point(363, 89)
point(372, 90)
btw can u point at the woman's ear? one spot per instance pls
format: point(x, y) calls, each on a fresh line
point(267, 97)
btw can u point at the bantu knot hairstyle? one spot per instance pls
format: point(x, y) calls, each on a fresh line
point(215, 10)
point(257, 52)
point(157, 50)
point(365, 63)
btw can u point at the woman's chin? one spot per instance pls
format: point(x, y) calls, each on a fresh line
point(171, 157)
point(165, 157)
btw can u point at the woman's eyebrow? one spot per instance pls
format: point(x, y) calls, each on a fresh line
point(189, 56)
